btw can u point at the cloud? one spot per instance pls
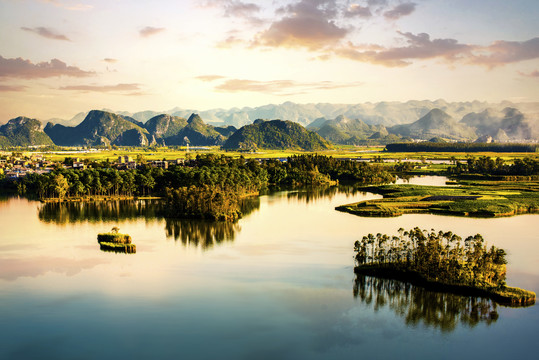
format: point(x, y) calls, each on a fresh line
point(236, 8)
point(240, 9)
point(279, 87)
point(8, 88)
point(327, 27)
point(110, 60)
point(149, 31)
point(422, 47)
point(506, 52)
point(209, 77)
point(357, 10)
point(418, 46)
point(400, 10)
point(103, 88)
point(20, 68)
point(533, 74)
point(230, 42)
point(46, 33)
point(309, 24)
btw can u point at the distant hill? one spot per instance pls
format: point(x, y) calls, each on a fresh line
point(132, 137)
point(517, 126)
point(226, 131)
point(132, 120)
point(196, 132)
point(349, 131)
point(98, 128)
point(74, 121)
point(316, 124)
point(23, 131)
point(483, 122)
point(436, 123)
point(163, 126)
point(507, 125)
point(275, 134)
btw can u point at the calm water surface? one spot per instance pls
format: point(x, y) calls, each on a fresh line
point(279, 284)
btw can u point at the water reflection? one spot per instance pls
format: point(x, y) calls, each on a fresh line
point(417, 305)
point(201, 233)
point(313, 194)
point(206, 234)
point(98, 211)
point(191, 232)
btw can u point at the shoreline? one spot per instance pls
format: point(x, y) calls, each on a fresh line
point(508, 296)
point(98, 198)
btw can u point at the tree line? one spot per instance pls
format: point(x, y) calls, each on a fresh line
point(488, 166)
point(238, 174)
point(427, 146)
point(209, 186)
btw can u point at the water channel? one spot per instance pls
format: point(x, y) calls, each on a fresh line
point(279, 284)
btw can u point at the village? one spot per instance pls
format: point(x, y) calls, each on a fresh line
point(16, 165)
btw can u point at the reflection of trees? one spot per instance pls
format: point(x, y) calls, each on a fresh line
point(249, 205)
point(204, 233)
point(189, 231)
point(419, 305)
point(70, 212)
point(312, 194)
point(194, 232)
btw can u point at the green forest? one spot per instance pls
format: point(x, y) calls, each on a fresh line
point(486, 165)
point(209, 186)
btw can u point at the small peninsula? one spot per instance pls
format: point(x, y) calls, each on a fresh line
point(441, 261)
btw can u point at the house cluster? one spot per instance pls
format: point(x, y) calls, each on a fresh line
point(126, 162)
point(16, 165)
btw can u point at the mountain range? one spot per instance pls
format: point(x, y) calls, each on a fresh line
point(381, 113)
point(436, 123)
point(107, 128)
point(343, 130)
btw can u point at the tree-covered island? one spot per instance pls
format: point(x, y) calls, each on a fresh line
point(440, 260)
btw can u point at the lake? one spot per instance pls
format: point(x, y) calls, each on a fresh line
point(279, 284)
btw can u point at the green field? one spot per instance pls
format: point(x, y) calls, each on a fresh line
point(356, 152)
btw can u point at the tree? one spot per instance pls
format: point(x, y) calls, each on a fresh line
point(60, 185)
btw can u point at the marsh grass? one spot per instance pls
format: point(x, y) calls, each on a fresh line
point(470, 199)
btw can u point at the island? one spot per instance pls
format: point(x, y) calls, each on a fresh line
point(440, 261)
point(470, 198)
point(113, 241)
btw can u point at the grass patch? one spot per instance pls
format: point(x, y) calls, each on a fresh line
point(114, 238)
point(117, 243)
point(470, 199)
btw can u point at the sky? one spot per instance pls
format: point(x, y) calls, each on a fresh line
point(62, 57)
